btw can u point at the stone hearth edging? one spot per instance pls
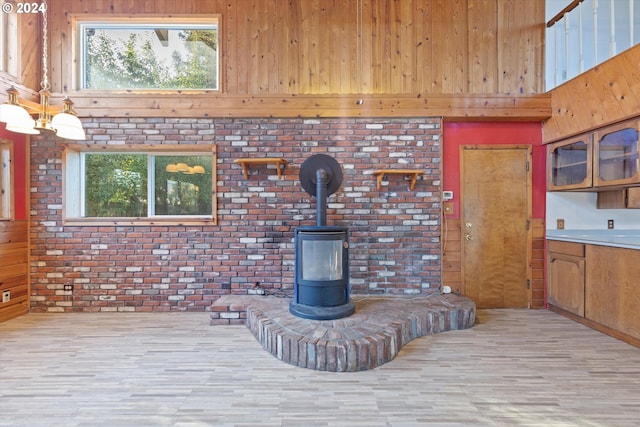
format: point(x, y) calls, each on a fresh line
point(372, 336)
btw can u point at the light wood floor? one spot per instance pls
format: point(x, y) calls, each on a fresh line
point(514, 368)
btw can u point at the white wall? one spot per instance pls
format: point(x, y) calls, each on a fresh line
point(580, 213)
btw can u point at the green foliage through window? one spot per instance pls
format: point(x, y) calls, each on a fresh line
point(140, 185)
point(149, 56)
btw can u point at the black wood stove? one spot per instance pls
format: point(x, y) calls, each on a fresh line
point(321, 288)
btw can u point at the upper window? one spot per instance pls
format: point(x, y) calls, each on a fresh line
point(148, 55)
point(9, 43)
point(133, 187)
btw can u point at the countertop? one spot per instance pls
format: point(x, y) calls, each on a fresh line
point(629, 239)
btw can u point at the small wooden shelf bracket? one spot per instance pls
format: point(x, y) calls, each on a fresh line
point(413, 174)
point(247, 161)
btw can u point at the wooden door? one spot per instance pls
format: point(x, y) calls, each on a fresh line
point(495, 213)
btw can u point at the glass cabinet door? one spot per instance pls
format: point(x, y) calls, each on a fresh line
point(569, 164)
point(616, 155)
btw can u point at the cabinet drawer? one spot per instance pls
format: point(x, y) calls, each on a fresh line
point(633, 197)
point(568, 248)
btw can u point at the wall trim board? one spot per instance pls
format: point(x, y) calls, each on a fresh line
point(452, 107)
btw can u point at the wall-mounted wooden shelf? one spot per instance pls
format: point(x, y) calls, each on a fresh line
point(245, 162)
point(413, 174)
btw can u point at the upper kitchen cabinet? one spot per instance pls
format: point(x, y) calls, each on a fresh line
point(616, 155)
point(569, 164)
point(600, 160)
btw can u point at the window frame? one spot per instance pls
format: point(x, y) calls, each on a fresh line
point(78, 20)
point(73, 185)
point(9, 44)
point(7, 200)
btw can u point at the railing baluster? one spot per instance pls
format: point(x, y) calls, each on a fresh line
point(580, 51)
point(631, 22)
point(555, 55)
point(612, 29)
point(594, 7)
point(565, 75)
point(583, 24)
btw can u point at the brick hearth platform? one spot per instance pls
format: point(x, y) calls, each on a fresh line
point(372, 336)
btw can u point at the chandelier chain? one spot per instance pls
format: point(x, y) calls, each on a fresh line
point(44, 84)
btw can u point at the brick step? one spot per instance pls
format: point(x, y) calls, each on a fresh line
point(230, 309)
point(371, 337)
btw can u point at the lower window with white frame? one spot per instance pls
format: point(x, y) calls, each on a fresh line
point(139, 186)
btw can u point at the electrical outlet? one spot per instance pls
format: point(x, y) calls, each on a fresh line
point(560, 224)
point(610, 224)
point(68, 288)
point(6, 296)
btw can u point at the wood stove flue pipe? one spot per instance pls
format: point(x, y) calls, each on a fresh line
point(322, 178)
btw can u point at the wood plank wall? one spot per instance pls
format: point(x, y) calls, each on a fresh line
point(14, 263)
point(609, 93)
point(316, 46)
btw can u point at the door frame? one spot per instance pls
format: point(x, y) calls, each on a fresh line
point(529, 234)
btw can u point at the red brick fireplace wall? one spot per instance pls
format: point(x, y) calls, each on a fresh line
point(394, 232)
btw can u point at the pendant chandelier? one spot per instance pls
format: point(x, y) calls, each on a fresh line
point(61, 120)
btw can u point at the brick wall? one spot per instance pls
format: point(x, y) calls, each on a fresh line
point(394, 232)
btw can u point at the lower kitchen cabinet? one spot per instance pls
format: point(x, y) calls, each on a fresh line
point(612, 288)
point(566, 274)
point(596, 285)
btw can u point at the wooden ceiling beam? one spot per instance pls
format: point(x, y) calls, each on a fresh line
point(458, 107)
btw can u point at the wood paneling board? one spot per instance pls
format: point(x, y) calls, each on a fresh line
point(439, 23)
point(16, 307)
point(13, 232)
point(609, 93)
point(458, 64)
point(520, 50)
point(452, 107)
point(376, 41)
point(229, 50)
point(406, 47)
point(13, 261)
point(312, 46)
point(30, 70)
point(482, 48)
point(14, 268)
point(423, 59)
point(451, 255)
point(310, 75)
point(329, 48)
point(537, 263)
